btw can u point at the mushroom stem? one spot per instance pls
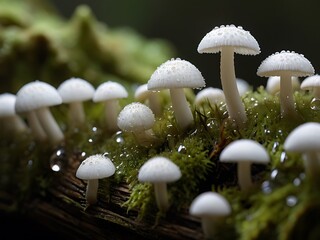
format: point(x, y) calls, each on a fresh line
point(286, 96)
point(160, 190)
point(14, 123)
point(316, 92)
point(154, 103)
point(209, 226)
point(311, 163)
point(49, 125)
point(145, 138)
point(181, 108)
point(111, 113)
point(76, 114)
point(244, 175)
point(92, 191)
point(235, 106)
point(36, 128)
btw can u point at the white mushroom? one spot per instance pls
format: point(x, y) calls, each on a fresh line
point(286, 64)
point(159, 171)
point(138, 119)
point(175, 75)
point(273, 84)
point(305, 140)
point(74, 91)
point(244, 152)
point(212, 208)
point(34, 99)
point(92, 169)
point(242, 85)
point(210, 95)
point(109, 93)
point(229, 40)
point(312, 83)
point(11, 121)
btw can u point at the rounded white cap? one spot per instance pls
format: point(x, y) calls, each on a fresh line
point(285, 62)
point(209, 204)
point(135, 117)
point(273, 84)
point(244, 150)
point(75, 90)
point(230, 35)
point(7, 105)
point(303, 138)
point(159, 169)
point(95, 167)
point(311, 82)
point(242, 85)
point(211, 95)
point(176, 73)
point(34, 95)
point(108, 91)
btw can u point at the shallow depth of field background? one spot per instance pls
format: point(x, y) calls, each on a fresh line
point(276, 24)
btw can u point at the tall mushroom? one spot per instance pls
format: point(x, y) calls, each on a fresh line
point(175, 75)
point(286, 64)
point(228, 40)
point(35, 98)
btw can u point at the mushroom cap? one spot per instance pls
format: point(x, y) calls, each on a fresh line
point(142, 93)
point(310, 82)
point(159, 169)
point(95, 167)
point(36, 94)
point(303, 138)
point(209, 204)
point(108, 91)
point(273, 84)
point(135, 117)
point(242, 85)
point(210, 94)
point(244, 150)
point(75, 90)
point(176, 73)
point(285, 62)
point(7, 105)
point(230, 35)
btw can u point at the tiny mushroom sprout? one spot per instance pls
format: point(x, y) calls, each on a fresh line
point(159, 171)
point(151, 98)
point(34, 99)
point(228, 40)
point(312, 83)
point(209, 95)
point(244, 152)
point(11, 121)
point(138, 119)
point(305, 140)
point(286, 64)
point(273, 84)
point(211, 208)
point(109, 93)
point(175, 75)
point(92, 169)
point(74, 91)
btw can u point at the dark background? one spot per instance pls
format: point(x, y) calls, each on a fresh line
point(276, 24)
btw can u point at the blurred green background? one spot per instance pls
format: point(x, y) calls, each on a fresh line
point(276, 24)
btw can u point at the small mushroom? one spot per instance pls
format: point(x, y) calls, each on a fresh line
point(159, 171)
point(212, 208)
point(305, 140)
point(11, 121)
point(228, 40)
point(210, 95)
point(244, 152)
point(273, 84)
point(312, 83)
point(109, 93)
point(175, 75)
point(74, 91)
point(286, 64)
point(34, 99)
point(92, 169)
point(242, 85)
point(138, 119)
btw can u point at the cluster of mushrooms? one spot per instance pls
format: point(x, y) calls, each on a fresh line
point(283, 68)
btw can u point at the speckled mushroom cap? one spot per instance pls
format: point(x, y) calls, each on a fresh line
point(209, 94)
point(176, 73)
point(108, 91)
point(303, 138)
point(209, 204)
point(244, 150)
point(311, 82)
point(230, 35)
point(159, 169)
point(135, 117)
point(75, 89)
point(34, 95)
point(95, 167)
point(284, 62)
point(7, 105)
